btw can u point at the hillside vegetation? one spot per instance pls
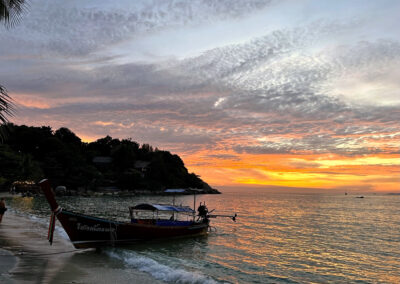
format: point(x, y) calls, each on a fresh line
point(31, 153)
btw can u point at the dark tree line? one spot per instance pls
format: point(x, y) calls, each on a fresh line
point(32, 153)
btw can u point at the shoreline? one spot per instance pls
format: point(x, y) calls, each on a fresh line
point(8, 261)
point(27, 257)
point(34, 260)
point(121, 193)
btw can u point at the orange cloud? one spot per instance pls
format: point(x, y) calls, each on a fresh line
point(27, 100)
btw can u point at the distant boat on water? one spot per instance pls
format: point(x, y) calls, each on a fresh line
point(360, 196)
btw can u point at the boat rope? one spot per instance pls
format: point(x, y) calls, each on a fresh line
point(22, 253)
point(113, 234)
point(41, 254)
point(112, 241)
point(52, 224)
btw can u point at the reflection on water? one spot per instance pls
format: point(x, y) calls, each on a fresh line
point(278, 238)
point(24, 203)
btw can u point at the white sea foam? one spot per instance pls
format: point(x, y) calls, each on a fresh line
point(158, 270)
point(37, 219)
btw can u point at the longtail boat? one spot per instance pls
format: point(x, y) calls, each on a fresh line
point(87, 231)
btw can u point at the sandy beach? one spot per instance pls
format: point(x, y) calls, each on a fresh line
point(27, 257)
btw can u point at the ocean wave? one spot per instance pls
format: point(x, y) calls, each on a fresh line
point(158, 270)
point(43, 221)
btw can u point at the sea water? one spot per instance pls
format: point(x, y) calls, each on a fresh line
point(277, 238)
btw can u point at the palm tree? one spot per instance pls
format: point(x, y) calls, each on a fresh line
point(10, 11)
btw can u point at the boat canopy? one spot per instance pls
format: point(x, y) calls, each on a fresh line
point(180, 190)
point(175, 190)
point(160, 207)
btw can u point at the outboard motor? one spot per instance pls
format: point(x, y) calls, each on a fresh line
point(203, 212)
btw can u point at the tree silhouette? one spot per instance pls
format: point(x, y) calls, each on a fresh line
point(31, 153)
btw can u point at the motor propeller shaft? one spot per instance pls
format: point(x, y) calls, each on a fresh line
point(229, 216)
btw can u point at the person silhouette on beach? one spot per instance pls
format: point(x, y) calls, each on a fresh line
point(2, 208)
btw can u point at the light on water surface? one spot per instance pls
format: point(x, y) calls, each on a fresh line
point(278, 238)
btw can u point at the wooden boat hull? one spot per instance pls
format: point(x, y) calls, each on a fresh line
point(86, 231)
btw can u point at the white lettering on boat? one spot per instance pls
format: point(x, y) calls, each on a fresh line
point(94, 228)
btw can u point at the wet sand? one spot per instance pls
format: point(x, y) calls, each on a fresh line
point(27, 257)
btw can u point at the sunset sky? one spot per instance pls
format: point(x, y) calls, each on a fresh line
point(278, 94)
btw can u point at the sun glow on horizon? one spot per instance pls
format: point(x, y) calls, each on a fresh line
point(372, 173)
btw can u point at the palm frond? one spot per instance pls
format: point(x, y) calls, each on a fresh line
point(10, 11)
point(6, 109)
point(6, 105)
